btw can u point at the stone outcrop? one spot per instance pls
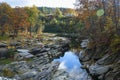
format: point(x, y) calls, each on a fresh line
point(2, 45)
point(26, 71)
point(3, 52)
point(40, 67)
point(100, 64)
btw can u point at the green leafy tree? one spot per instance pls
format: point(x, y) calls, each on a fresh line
point(58, 13)
point(32, 16)
point(39, 27)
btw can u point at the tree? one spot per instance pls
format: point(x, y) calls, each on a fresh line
point(5, 17)
point(39, 27)
point(32, 16)
point(101, 19)
point(20, 21)
point(58, 13)
point(89, 9)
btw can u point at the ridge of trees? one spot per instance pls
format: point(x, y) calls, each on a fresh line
point(101, 20)
point(28, 20)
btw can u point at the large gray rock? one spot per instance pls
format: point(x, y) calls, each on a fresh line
point(24, 71)
point(84, 43)
point(3, 52)
point(83, 56)
point(18, 67)
point(98, 69)
point(15, 43)
point(36, 51)
point(113, 75)
point(47, 71)
point(102, 60)
point(60, 75)
point(109, 59)
point(29, 74)
point(2, 45)
point(23, 54)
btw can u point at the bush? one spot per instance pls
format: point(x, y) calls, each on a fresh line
point(3, 38)
point(8, 73)
point(115, 44)
point(11, 53)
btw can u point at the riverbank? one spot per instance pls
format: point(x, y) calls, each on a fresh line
point(99, 55)
point(100, 64)
point(32, 58)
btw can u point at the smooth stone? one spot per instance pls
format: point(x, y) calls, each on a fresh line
point(3, 52)
point(84, 43)
point(98, 69)
point(29, 74)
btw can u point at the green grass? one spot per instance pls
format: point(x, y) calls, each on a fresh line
point(5, 61)
point(2, 38)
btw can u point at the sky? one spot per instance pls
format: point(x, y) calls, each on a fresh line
point(41, 3)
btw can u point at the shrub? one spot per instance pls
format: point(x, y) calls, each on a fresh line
point(8, 73)
point(115, 44)
point(11, 53)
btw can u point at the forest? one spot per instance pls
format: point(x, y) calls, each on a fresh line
point(34, 20)
point(91, 30)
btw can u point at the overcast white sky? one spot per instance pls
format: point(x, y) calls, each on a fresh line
point(45, 3)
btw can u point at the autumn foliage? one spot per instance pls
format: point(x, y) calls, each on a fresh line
point(18, 19)
point(101, 19)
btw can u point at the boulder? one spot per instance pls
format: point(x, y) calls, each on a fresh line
point(102, 60)
point(113, 75)
point(60, 75)
point(35, 51)
point(2, 45)
point(99, 52)
point(98, 69)
point(23, 54)
point(83, 56)
point(15, 43)
point(18, 67)
point(47, 71)
point(29, 74)
point(109, 59)
point(84, 43)
point(3, 52)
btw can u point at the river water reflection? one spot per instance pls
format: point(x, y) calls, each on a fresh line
point(70, 63)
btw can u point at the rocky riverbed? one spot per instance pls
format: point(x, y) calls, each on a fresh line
point(99, 63)
point(47, 59)
point(37, 59)
point(33, 58)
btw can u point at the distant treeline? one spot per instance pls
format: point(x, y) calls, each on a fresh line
point(49, 10)
point(34, 19)
point(58, 20)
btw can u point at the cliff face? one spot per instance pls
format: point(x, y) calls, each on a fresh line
point(99, 62)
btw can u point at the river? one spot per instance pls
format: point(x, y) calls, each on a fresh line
point(71, 64)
